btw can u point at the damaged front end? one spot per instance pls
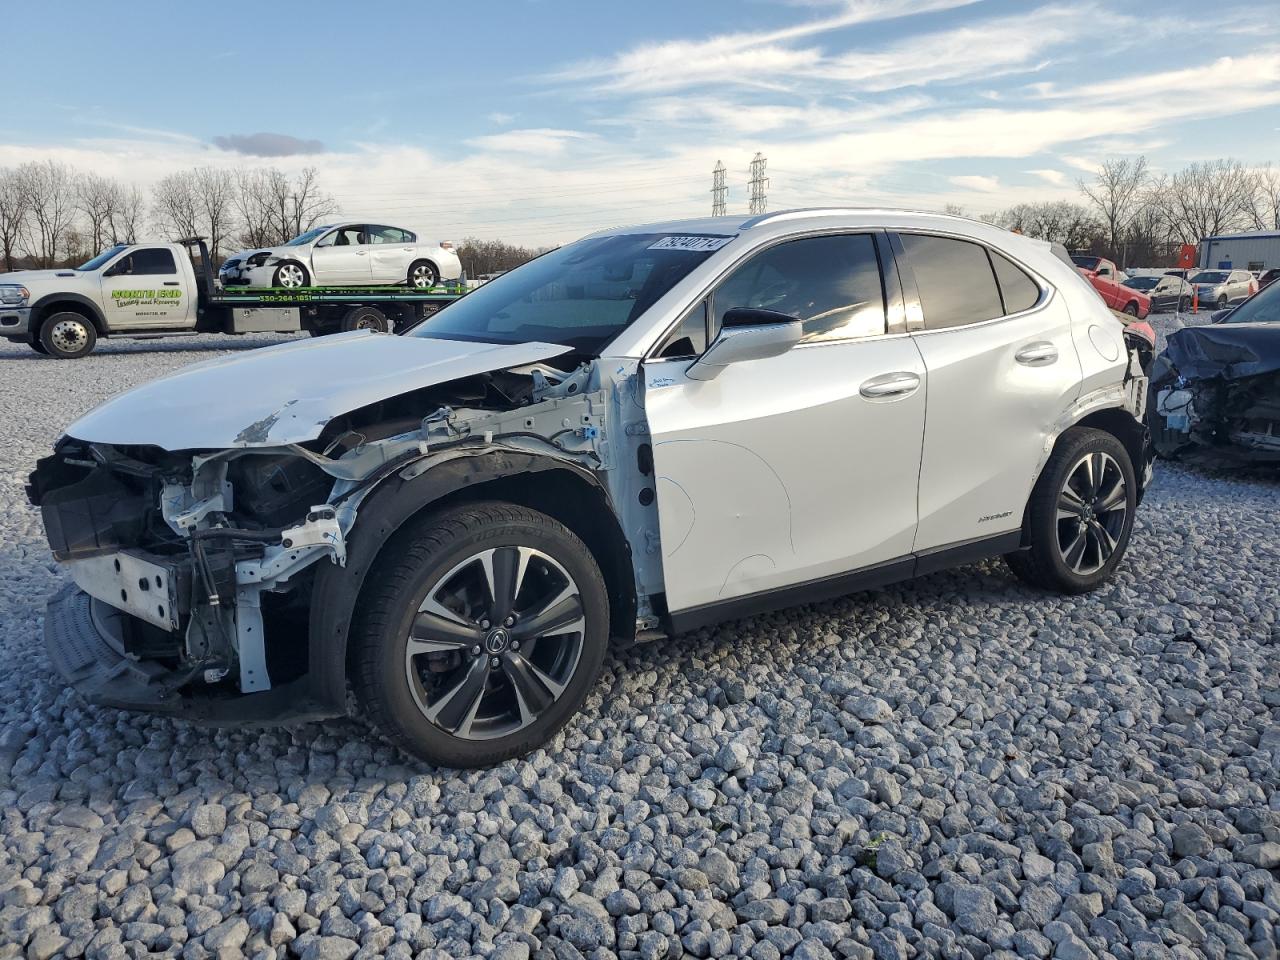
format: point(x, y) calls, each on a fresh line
point(195, 570)
point(1215, 394)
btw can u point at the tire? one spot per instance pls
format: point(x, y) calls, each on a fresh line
point(437, 564)
point(365, 318)
point(1131, 308)
point(37, 346)
point(67, 335)
point(1051, 562)
point(291, 274)
point(1222, 302)
point(423, 275)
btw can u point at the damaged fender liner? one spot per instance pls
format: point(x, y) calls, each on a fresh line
point(383, 512)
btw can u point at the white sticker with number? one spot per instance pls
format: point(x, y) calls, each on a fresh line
point(693, 244)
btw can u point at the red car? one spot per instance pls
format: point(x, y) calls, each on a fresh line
point(1102, 273)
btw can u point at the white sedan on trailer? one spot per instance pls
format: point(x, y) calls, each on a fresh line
point(356, 254)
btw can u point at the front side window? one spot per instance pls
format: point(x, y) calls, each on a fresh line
point(582, 295)
point(955, 280)
point(101, 258)
point(146, 262)
point(831, 283)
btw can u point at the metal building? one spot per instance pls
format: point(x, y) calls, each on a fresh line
point(1252, 250)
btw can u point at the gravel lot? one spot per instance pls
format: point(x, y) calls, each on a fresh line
point(958, 767)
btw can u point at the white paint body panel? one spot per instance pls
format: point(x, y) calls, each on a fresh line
point(287, 393)
point(778, 471)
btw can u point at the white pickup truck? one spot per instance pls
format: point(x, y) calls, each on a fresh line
point(163, 289)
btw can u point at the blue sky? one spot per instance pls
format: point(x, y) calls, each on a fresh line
point(539, 120)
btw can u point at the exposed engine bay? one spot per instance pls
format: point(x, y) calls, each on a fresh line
point(1215, 394)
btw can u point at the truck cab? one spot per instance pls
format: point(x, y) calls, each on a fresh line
point(1107, 280)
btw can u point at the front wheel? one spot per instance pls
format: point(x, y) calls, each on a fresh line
point(423, 275)
point(1222, 302)
point(484, 628)
point(1131, 308)
point(67, 335)
point(1081, 514)
point(290, 274)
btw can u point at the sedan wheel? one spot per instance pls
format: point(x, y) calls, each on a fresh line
point(423, 275)
point(290, 275)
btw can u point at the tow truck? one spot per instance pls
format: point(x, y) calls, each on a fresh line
point(148, 290)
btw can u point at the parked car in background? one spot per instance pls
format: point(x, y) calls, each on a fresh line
point(1268, 277)
point(657, 427)
point(1105, 277)
point(1219, 288)
point(356, 254)
point(1166, 293)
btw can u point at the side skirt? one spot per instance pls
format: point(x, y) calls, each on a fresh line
point(841, 584)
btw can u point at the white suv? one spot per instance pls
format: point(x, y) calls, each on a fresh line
point(652, 429)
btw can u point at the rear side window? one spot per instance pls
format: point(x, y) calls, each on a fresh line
point(832, 283)
point(954, 279)
point(1018, 291)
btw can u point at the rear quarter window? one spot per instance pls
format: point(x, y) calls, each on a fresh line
point(1017, 290)
point(956, 283)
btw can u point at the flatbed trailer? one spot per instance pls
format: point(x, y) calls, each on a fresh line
point(151, 290)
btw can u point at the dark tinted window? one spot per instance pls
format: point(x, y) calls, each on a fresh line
point(689, 338)
point(1018, 291)
point(954, 279)
point(831, 283)
point(145, 262)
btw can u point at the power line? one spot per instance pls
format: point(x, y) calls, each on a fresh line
point(719, 191)
point(759, 182)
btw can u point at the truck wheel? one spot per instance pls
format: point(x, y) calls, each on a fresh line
point(1081, 514)
point(291, 274)
point(481, 633)
point(366, 318)
point(423, 275)
point(67, 335)
point(1131, 308)
point(35, 344)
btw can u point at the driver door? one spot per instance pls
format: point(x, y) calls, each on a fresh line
point(791, 470)
point(342, 256)
point(143, 289)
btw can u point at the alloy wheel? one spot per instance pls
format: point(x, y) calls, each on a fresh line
point(423, 276)
point(495, 642)
point(1092, 506)
point(69, 335)
point(291, 275)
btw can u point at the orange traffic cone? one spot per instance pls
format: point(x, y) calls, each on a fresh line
point(1195, 300)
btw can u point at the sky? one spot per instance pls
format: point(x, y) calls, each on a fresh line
point(538, 121)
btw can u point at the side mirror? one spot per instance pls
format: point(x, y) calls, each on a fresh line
point(747, 335)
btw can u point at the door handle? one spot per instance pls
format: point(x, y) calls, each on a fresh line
point(889, 385)
point(361, 253)
point(1038, 354)
point(172, 283)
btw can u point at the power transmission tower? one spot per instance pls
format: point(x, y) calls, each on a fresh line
point(758, 184)
point(718, 190)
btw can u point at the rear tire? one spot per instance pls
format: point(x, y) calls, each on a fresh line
point(1131, 308)
point(1081, 514)
point(1222, 302)
point(479, 691)
point(365, 318)
point(67, 335)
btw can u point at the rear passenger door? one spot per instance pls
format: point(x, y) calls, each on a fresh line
point(1001, 370)
point(391, 252)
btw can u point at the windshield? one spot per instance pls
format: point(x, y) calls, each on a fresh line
point(1262, 307)
point(582, 295)
point(1141, 283)
point(307, 237)
point(1209, 276)
point(1089, 263)
point(102, 258)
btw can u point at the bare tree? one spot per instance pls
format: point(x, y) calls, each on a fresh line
point(1264, 204)
point(50, 191)
point(96, 199)
point(1206, 199)
point(127, 214)
point(176, 205)
point(13, 213)
point(492, 256)
point(1116, 192)
point(274, 209)
point(215, 203)
point(1069, 224)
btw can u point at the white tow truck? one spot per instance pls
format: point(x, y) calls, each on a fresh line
point(163, 289)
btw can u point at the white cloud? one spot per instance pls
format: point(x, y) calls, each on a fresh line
point(1055, 177)
point(543, 141)
point(977, 182)
point(501, 119)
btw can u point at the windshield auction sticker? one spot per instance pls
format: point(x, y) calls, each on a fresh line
point(693, 244)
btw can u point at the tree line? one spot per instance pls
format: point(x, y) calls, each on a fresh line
point(1137, 217)
point(53, 215)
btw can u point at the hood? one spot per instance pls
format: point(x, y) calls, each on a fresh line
point(244, 255)
point(1228, 350)
point(288, 393)
point(38, 278)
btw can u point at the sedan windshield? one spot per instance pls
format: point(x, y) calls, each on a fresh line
point(1262, 307)
point(582, 295)
point(1209, 276)
point(307, 237)
point(102, 258)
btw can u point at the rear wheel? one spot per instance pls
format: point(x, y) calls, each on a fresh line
point(423, 275)
point(67, 335)
point(1222, 302)
point(366, 318)
point(484, 629)
point(1081, 514)
point(1131, 308)
point(290, 274)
